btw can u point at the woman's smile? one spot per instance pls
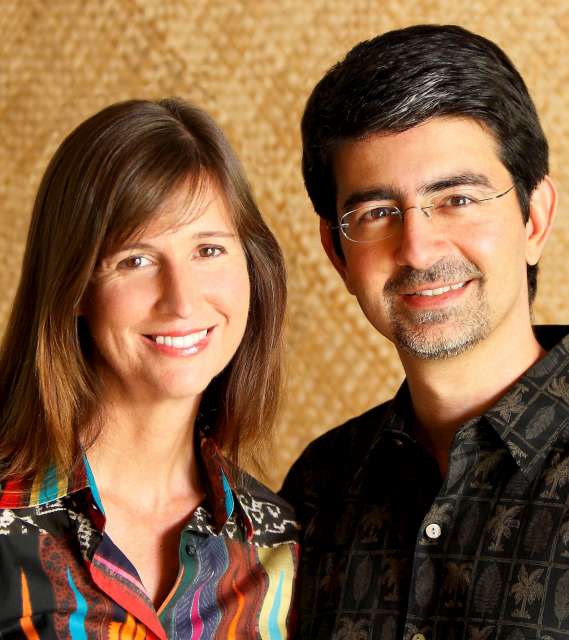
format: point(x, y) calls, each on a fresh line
point(181, 343)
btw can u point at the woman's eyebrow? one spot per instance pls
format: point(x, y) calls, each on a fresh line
point(214, 234)
point(199, 235)
point(132, 245)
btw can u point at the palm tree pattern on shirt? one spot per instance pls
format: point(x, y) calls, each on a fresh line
point(499, 570)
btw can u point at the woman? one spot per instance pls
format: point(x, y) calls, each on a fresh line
point(145, 339)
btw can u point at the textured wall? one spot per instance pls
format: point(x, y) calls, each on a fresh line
point(252, 65)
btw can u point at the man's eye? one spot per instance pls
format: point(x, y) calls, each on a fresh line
point(134, 262)
point(373, 214)
point(458, 201)
point(210, 251)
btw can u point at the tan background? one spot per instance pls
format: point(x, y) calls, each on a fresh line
point(252, 65)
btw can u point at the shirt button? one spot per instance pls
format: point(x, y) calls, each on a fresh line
point(418, 636)
point(191, 549)
point(433, 532)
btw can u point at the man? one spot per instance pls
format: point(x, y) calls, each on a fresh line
point(442, 513)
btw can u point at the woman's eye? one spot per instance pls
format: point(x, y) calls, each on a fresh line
point(210, 251)
point(134, 262)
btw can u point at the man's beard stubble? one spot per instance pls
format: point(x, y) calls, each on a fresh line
point(418, 333)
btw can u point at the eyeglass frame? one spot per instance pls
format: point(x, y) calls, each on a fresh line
point(341, 226)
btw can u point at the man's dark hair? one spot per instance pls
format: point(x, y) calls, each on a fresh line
point(405, 77)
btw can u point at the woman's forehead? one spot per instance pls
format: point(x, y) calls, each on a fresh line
point(186, 203)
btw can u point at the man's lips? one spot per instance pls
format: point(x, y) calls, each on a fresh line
point(437, 291)
point(447, 276)
point(435, 297)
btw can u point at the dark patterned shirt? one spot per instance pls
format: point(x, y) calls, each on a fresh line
point(392, 551)
point(61, 576)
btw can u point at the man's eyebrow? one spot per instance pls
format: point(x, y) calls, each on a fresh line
point(391, 192)
point(460, 180)
point(379, 192)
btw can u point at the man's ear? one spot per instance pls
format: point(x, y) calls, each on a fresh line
point(543, 204)
point(338, 261)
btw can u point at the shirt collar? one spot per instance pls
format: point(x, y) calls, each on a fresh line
point(45, 487)
point(223, 488)
point(393, 421)
point(530, 418)
point(221, 481)
point(533, 416)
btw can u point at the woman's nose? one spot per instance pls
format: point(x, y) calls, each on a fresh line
point(179, 291)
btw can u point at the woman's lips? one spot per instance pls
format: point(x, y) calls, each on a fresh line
point(180, 343)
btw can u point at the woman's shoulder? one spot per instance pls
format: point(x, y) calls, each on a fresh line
point(272, 517)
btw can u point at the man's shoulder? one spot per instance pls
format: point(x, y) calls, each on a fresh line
point(346, 440)
point(329, 462)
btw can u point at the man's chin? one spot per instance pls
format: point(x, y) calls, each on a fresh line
point(436, 343)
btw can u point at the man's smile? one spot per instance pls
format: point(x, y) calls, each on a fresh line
point(438, 291)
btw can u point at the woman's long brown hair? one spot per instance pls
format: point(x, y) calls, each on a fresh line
point(106, 182)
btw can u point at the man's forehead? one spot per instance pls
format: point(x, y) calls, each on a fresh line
point(427, 129)
point(409, 161)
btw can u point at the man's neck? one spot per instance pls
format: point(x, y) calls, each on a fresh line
point(446, 393)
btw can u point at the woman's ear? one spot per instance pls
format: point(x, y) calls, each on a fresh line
point(542, 208)
point(83, 307)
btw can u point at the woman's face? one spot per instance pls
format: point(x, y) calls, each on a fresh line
point(168, 310)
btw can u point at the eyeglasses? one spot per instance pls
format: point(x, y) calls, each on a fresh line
point(448, 210)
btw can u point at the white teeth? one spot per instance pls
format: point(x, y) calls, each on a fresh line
point(181, 342)
point(440, 290)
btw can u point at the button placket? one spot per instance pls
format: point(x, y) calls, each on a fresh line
point(433, 531)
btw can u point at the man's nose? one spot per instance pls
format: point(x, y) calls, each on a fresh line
point(420, 243)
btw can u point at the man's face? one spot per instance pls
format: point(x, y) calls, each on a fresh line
point(435, 292)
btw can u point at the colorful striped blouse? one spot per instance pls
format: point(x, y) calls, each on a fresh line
point(62, 576)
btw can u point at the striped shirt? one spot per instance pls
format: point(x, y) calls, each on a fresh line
point(62, 576)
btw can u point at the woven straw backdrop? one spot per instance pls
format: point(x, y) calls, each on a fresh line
point(252, 64)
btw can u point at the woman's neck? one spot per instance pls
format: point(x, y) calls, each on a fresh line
point(147, 454)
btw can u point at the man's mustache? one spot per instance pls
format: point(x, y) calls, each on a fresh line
point(445, 270)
